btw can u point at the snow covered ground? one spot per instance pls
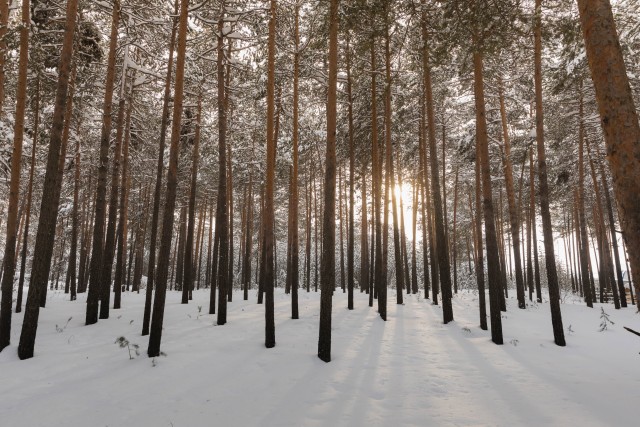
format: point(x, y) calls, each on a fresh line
point(410, 371)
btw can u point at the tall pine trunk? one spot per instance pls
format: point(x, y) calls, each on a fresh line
point(153, 239)
point(547, 232)
point(155, 335)
point(444, 268)
point(9, 262)
point(50, 198)
point(328, 267)
point(619, 118)
point(100, 204)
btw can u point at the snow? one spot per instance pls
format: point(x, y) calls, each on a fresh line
point(409, 371)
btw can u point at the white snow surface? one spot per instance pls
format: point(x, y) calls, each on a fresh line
point(409, 371)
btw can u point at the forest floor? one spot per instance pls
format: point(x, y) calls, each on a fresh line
point(409, 371)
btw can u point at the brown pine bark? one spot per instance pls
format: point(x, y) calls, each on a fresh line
point(612, 229)
point(618, 116)
point(50, 197)
point(511, 200)
point(454, 237)
point(153, 239)
point(364, 235)
point(376, 182)
point(352, 179)
point(390, 172)
point(295, 251)
point(246, 265)
point(328, 267)
point(4, 24)
point(584, 248)
point(110, 240)
point(493, 262)
point(9, 261)
point(73, 252)
point(547, 232)
point(268, 217)
point(603, 241)
point(34, 144)
point(95, 268)
point(534, 231)
point(188, 257)
point(155, 335)
point(444, 268)
point(121, 232)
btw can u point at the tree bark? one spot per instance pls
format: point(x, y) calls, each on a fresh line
point(188, 258)
point(482, 142)
point(9, 262)
point(153, 239)
point(155, 335)
point(268, 217)
point(50, 198)
point(547, 232)
point(444, 268)
point(511, 200)
point(328, 267)
point(619, 118)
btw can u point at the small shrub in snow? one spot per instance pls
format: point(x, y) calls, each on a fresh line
point(123, 342)
point(604, 320)
point(514, 342)
point(61, 329)
point(570, 330)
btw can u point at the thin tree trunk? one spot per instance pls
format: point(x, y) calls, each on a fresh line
point(121, 255)
point(188, 258)
point(444, 268)
point(352, 179)
point(9, 261)
point(511, 200)
point(493, 261)
point(34, 143)
point(100, 204)
point(268, 217)
point(547, 232)
point(153, 239)
point(170, 200)
point(110, 241)
point(390, 173)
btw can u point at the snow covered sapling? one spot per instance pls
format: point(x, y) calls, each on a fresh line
point(123, 342)
point(604, 320)
point(61, 329)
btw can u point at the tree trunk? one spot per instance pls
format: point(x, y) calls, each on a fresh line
point(328, 221)
point(121, 233)
point(352, 179)
point(619, 118)
point(153, 239)
point(155, 335)
point(50, 197)
point(4, 24)
point(34, 143)
point(493, 261)
point(547, 232)
point(9, 262)
point(511, 200)
point(444, 268)
point(188, 258)
point(390, 169)
point(268, 217)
